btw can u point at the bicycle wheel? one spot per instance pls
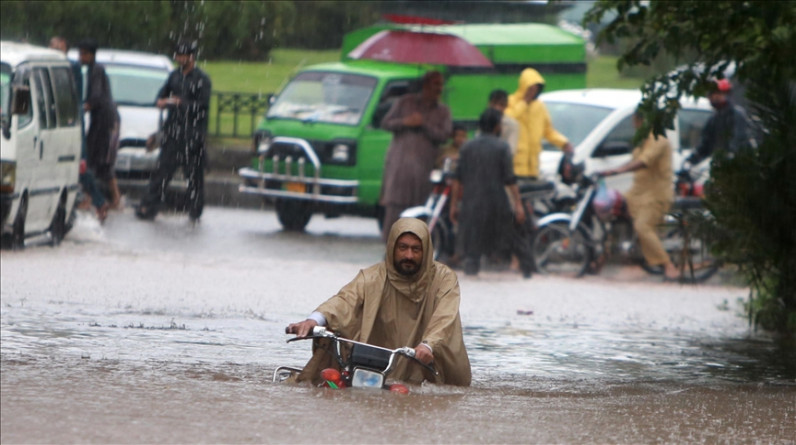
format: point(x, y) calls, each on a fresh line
point(557, 251)
point(690, 253)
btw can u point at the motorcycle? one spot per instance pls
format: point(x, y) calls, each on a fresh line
point(362, 365)
point(575, 243)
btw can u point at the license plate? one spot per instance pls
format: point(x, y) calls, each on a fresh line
point(124, 164)
point(364, 378)
point(297, 187)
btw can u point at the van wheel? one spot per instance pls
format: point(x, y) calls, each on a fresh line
point(58, 225)
point(18, 233)
point(293, 214)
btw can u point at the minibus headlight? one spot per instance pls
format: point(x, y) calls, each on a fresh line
point(261, 141)
point(8, 176)
point(341, 153)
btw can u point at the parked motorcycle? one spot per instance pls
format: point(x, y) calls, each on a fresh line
point(361, 365)
point(573, 243)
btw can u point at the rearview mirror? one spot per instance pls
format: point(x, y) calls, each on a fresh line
point(21, 101)
point(612, 148)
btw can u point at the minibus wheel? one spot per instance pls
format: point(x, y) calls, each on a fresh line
point(18, 233)
point(58, 225)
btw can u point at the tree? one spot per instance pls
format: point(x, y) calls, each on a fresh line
point(752, 195)
point(232, 29)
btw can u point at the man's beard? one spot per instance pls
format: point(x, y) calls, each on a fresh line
point(406, 267)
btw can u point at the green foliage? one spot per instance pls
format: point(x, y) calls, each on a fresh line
point(322, 24)
point(753, 195)
point(602, 73)
point(125, 24)
point(232, 29)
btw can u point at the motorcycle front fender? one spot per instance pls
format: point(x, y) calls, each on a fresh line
point(554, 218)
point(565, 218)
point(420, 212)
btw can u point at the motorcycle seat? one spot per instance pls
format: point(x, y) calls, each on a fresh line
point(535, 187)
point(688, 203)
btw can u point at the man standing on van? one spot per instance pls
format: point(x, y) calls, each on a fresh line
point(100, 151)
point(535, 124)
point(186, 94)
point(420, 124)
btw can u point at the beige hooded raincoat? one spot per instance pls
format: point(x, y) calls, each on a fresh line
point(382, 307)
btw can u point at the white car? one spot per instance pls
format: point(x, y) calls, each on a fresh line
point(136, 78)
point(598, 123)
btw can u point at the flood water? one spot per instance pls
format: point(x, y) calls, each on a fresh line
point(169, 333)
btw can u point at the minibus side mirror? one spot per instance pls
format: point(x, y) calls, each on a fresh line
point(21, 100)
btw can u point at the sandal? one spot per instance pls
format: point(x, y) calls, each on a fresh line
point(145, 214)
point(102, 213)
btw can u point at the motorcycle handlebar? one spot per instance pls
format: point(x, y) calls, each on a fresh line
point(321, 331)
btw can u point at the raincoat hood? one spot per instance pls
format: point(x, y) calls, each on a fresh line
point(528, 77)
point(412, 287)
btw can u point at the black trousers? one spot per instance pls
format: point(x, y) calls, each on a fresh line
point(482, 234)
point(192, 161)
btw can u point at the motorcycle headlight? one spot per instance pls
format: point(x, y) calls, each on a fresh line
point(8, 176)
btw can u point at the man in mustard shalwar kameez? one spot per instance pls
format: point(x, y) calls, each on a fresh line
point(651, 195)
point(408, 299)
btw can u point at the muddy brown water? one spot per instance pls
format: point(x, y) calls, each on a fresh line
point(166, 334)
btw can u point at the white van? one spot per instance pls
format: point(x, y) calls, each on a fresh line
point(599, 124)
point(40, 144)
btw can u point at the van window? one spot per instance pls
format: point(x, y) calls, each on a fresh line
point(324, 97)
point(691, 122)
point(65, 101)
point(575, 121)
point(38, 95)
point(623, 132)
point(21, 79)
point(5, 92)
point(392, 91)
point(135, 86)
point(49, 97)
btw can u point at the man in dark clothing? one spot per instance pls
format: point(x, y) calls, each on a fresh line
point(484, 172)
point(100, 152)
point(727, 130)
point(187, 96)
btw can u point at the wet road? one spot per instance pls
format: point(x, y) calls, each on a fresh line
point(169, 333)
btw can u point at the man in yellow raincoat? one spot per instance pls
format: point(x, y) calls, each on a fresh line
point(651, 195)
point(534, 122)
point(407, 300)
